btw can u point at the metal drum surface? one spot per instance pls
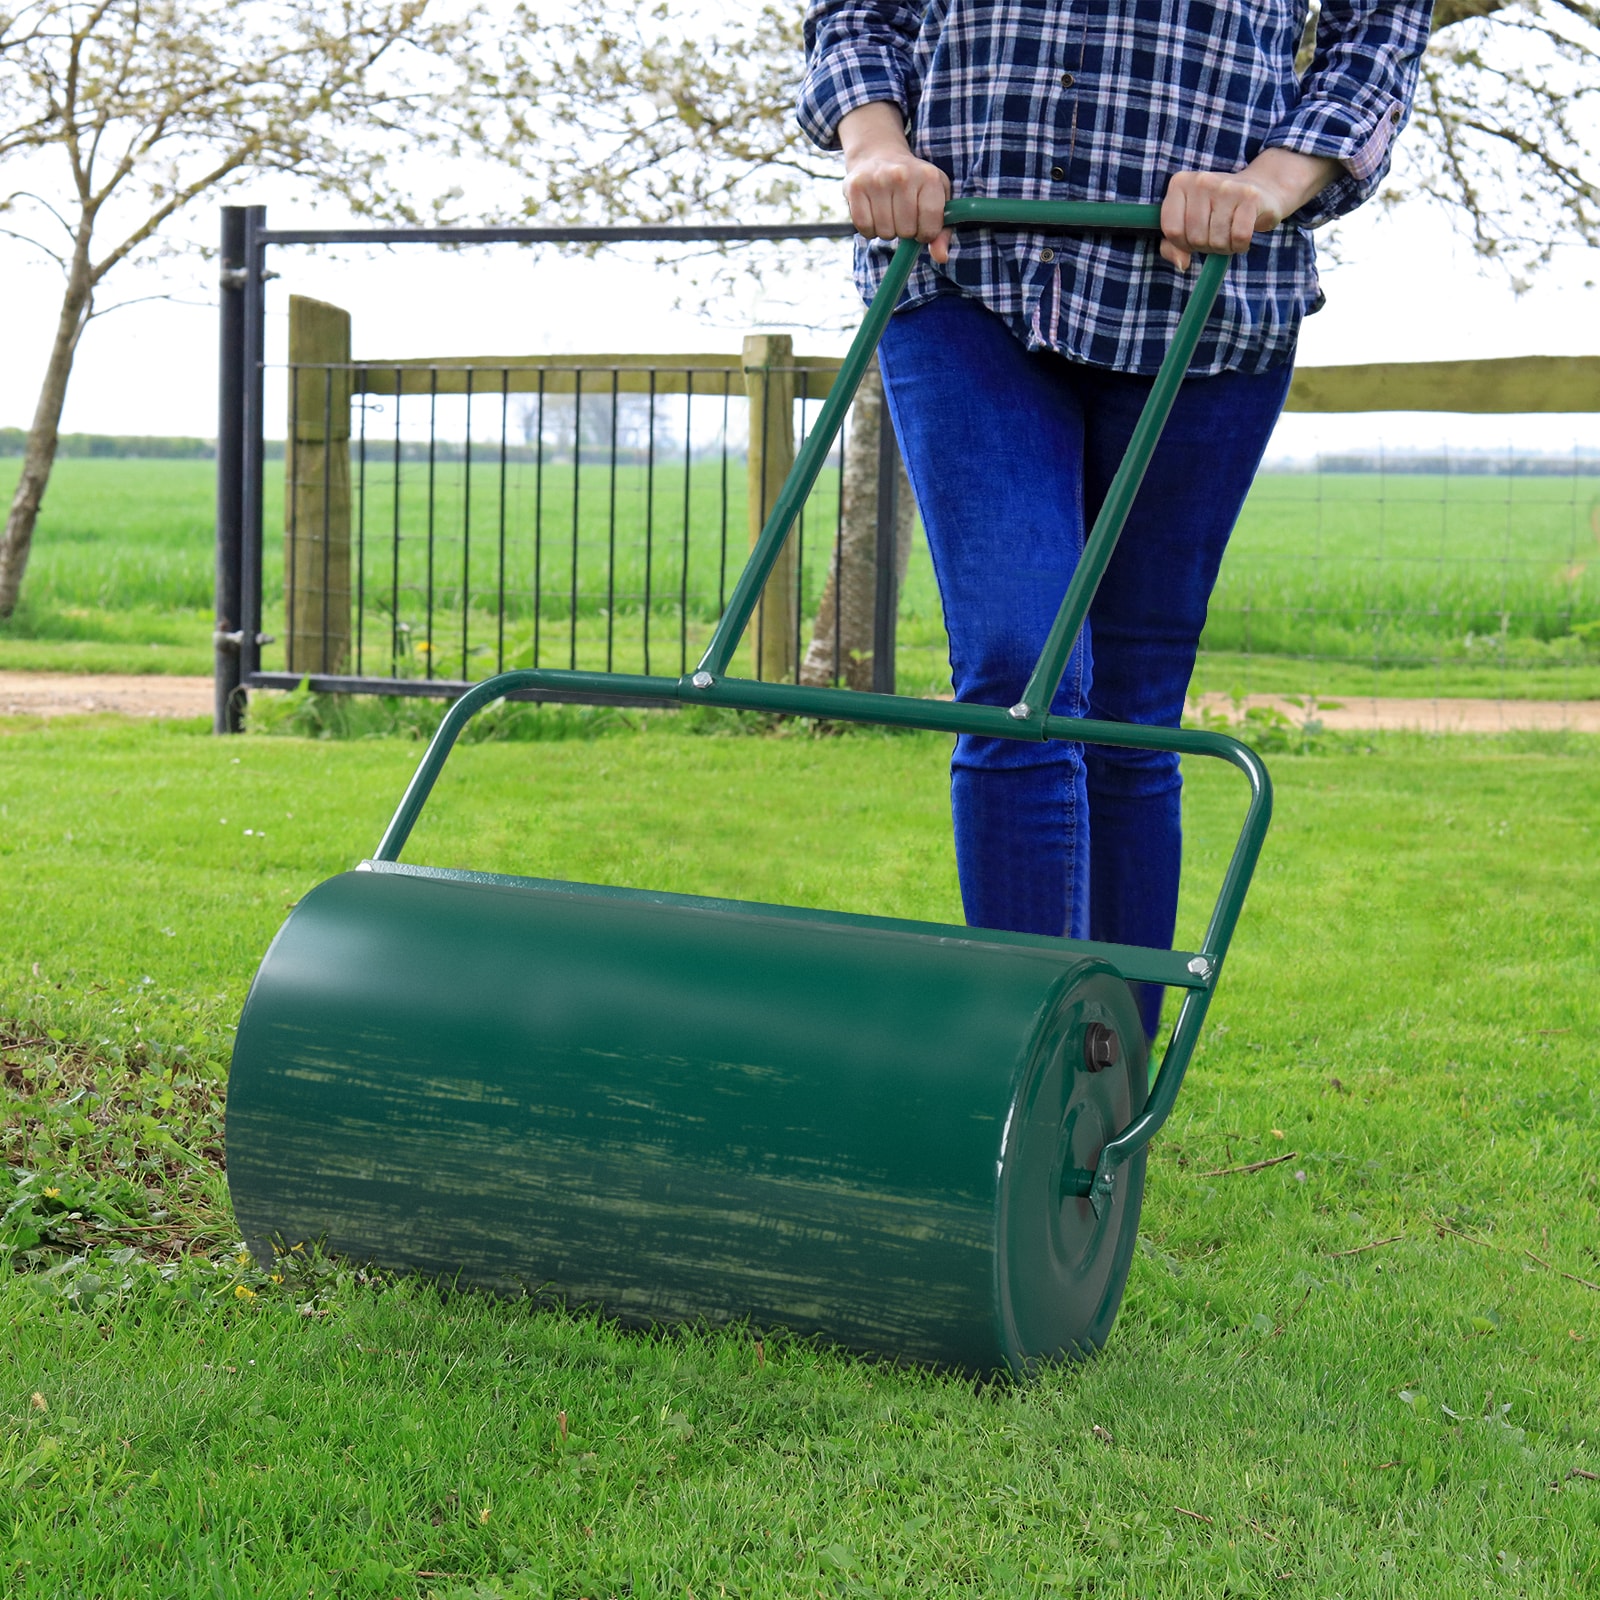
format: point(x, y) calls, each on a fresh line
point(682, 1109)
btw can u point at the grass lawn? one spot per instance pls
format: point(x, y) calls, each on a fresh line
point(1335, 584)
point(1369, 1369)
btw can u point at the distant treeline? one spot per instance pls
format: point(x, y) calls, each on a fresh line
point(112, 445)
point(558, 451)
point(149, 447)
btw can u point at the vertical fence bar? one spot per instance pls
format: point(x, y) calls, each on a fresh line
point(683, 568)
point(758, 498)
point(327, 511)
point(433, 442)
point(361, 533)
point(538, 519)
point(500, 578)
point(649, 513)
point(394, 569)
point(797, 655)
point(577, 453)
point(291, 575)
point(466, 531)
point(838, 563)
point(229, 631)
point(886, 600)
point(611, 529)
point(722, 554)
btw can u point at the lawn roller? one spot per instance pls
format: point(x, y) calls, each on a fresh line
point(913, 1139)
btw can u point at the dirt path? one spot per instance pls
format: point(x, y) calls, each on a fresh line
point(1370, 713)
point(55, 694)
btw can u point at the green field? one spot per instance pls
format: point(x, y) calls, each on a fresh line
point(1368, 1369)
point(1335, 584)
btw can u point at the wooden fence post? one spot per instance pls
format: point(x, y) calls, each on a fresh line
point(316, 556)
point(769, 383)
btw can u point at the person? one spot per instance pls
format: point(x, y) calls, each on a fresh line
point(1017, 363)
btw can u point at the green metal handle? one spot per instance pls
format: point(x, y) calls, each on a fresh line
point(1034, 706)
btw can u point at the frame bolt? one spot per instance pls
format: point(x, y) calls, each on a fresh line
point(1020, 712)
point(1200, 967)
point(702, 680)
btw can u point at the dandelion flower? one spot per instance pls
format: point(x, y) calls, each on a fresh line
point(51, 1192)
point(242, 1291)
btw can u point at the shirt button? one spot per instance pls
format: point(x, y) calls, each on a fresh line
point(1047, 255)
point(1058, 173)
point(1067, 80)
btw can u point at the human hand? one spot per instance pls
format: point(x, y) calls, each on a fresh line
point(1217, 213)
point(891, 193)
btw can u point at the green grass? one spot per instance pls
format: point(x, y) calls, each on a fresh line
point(1335, 584)
point(1410, 1006)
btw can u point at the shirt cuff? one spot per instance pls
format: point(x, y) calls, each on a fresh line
point(1361, 138)
point(843, 83)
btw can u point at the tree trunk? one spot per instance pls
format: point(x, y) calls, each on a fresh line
point(841, 640)
point(39, 453)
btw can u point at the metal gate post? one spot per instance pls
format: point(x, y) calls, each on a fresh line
point(254, 337)
point(229, 632)
point(886, 604)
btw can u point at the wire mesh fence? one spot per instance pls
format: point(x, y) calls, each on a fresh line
point(596, 517)
point(1415, 572)
point(443, 522)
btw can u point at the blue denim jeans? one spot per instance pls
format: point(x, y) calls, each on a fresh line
point(1010, 455)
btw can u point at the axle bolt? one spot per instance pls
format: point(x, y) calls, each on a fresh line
point(1100, 1047)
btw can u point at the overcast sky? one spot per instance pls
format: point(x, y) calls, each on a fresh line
point(1406, 289)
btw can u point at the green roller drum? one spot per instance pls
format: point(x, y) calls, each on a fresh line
point(912, 1139)
point(688, 1109)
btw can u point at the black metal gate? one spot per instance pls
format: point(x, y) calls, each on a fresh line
point(419, 612)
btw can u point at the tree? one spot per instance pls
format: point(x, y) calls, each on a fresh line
point(698, 119)
point(123, 113)
point(1509, 137)
point(842, 637)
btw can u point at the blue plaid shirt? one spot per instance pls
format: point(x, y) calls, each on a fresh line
point(1106, 100)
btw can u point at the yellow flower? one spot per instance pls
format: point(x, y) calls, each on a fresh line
point(243, 1292)
point(243, 1258)
point(277, 1277)
point(483, 1516)
point(51, 1192)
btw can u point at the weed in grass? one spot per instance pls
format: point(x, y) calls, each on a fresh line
point(103, 1148)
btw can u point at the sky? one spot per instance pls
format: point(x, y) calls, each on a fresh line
point(1404, 289)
